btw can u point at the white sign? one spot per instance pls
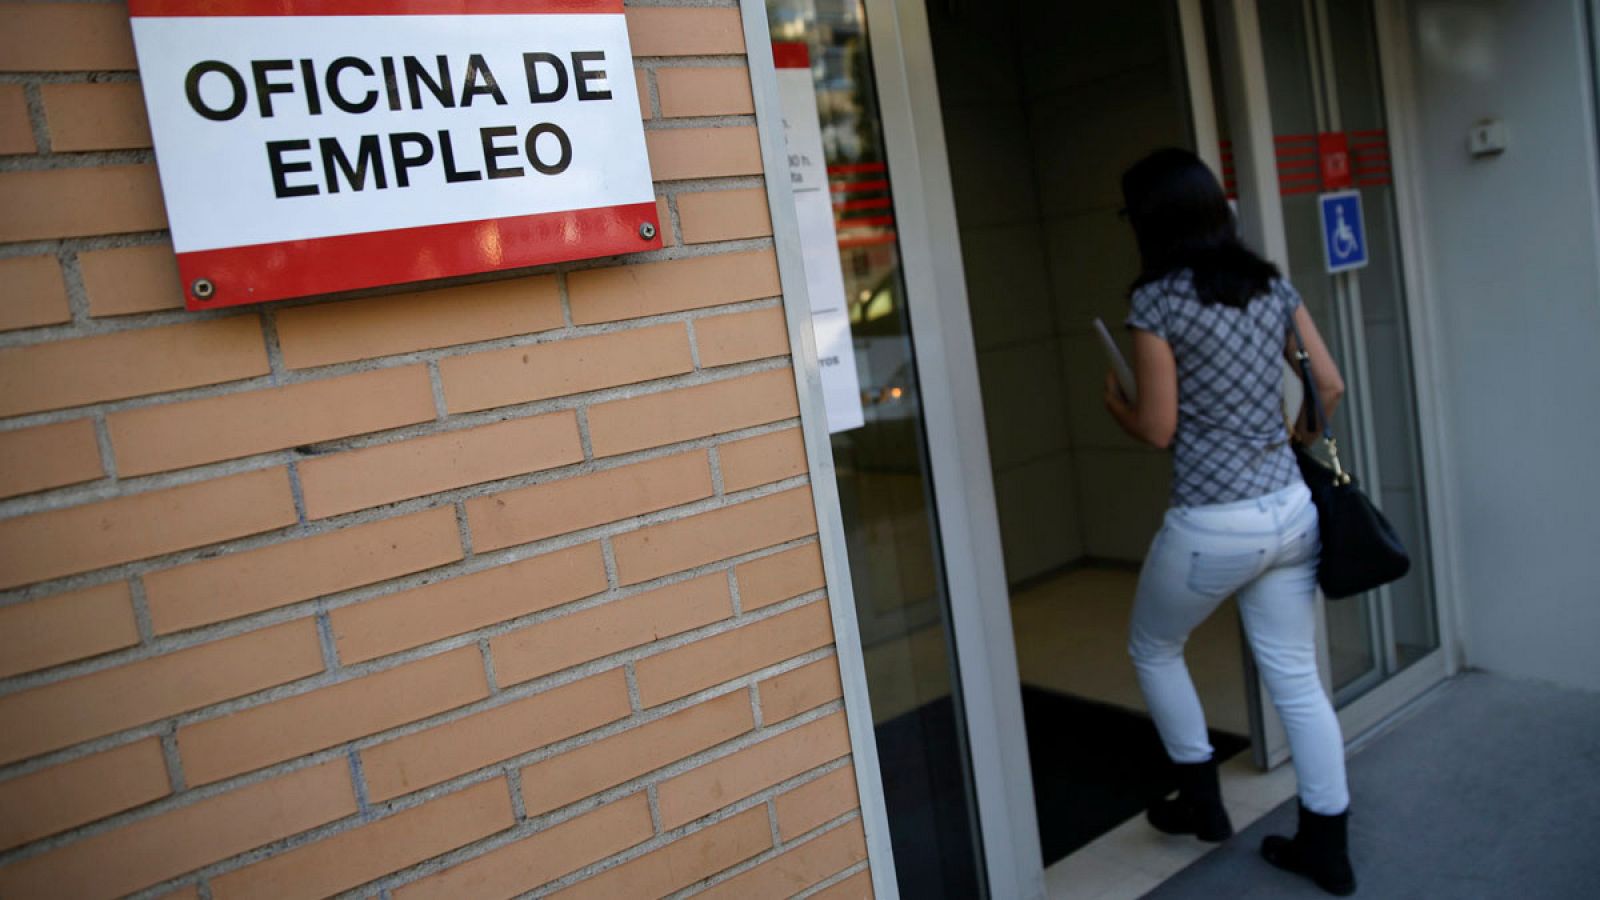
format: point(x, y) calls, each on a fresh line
point(819, 243)
point(314, 153)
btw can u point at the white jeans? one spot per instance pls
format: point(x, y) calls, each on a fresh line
point(1265, 552)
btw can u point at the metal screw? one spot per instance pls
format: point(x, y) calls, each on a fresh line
point(647, 231)
point(202, 289)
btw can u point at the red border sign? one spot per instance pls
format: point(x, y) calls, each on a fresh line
point(436, 237)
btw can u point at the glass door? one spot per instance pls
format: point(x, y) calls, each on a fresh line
point(1308, 108)
point(883, 469)
point(1326, 91)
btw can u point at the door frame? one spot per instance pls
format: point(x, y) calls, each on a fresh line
point(958, 447)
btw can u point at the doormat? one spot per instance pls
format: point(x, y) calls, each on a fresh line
point(924, 788)
point(1095, 766)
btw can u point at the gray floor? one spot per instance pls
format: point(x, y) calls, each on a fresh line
point(1490, 790)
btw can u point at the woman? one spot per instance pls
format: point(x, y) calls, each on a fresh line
point(1211, 327)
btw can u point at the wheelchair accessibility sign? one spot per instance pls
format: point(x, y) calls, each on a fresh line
point(1344, 237)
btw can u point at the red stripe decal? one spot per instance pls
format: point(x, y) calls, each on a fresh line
point(857, 168)
point(791, 55)
point(263, 272)
point(866, 221)
point(851, 187)
point(166, 8)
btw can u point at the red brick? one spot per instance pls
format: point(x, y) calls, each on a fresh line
point(80, 201)
point(260, 736)
point(797, 869)
point(681, 863)
point(682, 153)
point(482, 739)
point(762, 460)
point(773, 579)
point(65, 37)
point(36, 459)
point(557, 507)
point(238, 584)
point(418, 320)
point(572, 366)
point(165, 846)
point(725, 656)
point(386, 473)
point(709, 216)
point(667, 31)
point(590, 769)
point(579, 637)
point(130, 364)
point(856, 887)
point(817, 802)
point(731, 778)
point(648, 289)
point(125, 280)
point(798, 690)
point(180, 435)
point(81, 538)
point(32, 293)
point(705, 91)
point(354, 857)
point(741, 337)
point(53, 630)
point(460, 604)
point(542, 857)
point(67, 712)
point(16, 130)
point(61, 797)
point(95, 116)
point(710, 536)
point(653, 420)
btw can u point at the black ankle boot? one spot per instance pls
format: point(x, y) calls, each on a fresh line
point(1197, 809)
point(1320, 851)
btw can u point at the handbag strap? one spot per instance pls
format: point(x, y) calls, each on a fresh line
point(1303, 361)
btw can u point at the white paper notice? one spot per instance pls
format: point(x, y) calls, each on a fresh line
point(819, 244)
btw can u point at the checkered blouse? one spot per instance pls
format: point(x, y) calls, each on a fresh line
point(1231, 443)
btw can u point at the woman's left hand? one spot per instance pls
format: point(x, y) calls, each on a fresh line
point(1117, 404)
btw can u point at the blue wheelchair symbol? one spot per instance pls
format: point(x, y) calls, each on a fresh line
point(1344, 237)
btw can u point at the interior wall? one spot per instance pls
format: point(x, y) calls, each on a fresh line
point(1103, 85)
point(1009, 284)
point(1044, 105)
point(1513, 257)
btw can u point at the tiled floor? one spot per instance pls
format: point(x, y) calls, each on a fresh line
point(1072, 637)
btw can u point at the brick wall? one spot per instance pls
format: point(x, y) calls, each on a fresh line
point(506, 585)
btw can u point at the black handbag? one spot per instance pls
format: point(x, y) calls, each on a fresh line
point(1360, 550)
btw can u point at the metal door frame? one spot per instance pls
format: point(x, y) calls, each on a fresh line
point(947, 365)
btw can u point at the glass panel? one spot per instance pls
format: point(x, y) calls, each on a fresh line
point(1362, 313)
point(884, 486)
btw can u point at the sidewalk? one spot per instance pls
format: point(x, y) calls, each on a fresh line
point(1491, 789)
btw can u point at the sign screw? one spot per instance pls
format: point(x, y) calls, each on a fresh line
point(647, 231)
point(202, 289)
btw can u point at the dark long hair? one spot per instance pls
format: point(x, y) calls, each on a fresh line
point(1182, 220)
